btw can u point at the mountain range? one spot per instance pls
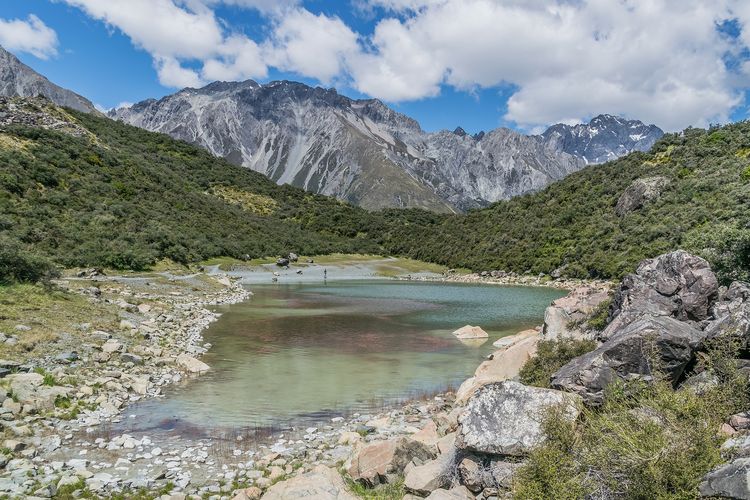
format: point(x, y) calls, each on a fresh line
point(361, 150)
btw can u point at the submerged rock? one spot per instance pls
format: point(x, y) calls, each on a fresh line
point(191, 365)
point(470, 332)
point(506, 418)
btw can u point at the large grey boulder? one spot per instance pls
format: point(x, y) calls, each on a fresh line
point(639, 350)
point(728, 481)
point(675, 284)
point(506, 418)
point(375, 462)
point(640, 192)
point(731, 315)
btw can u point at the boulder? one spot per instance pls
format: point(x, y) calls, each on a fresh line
point(282, 262)
point(503, 364)
point(24, 385)
point(731, 315)
point(321, 482)
point(191, 365)
point(374, 462)
point(470, 332)
point(505, 418)
point(728, 481)
point(426, 478)
point(675, 284)
point(640, 192)
point(511, 340)
point(561, 318)
point(638, 350)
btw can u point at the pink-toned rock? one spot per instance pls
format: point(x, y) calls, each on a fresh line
point(504, 364)
point(428, 435)
point(374, 462)
point(510, 340)
point(252, 493)
point(470, 332)
point(564, 312)
point(321, 483)
point(191, 365)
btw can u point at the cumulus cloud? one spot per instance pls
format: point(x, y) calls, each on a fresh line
point(662, 61)
point(30, 35)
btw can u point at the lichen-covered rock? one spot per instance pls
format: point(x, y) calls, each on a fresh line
point(506, 418)
point(636, 350)
point(675, 284)
point(728, 481)
point(640, 192)
point(321, 482)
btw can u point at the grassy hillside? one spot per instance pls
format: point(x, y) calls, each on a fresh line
point(125, 198)
point(572, 224)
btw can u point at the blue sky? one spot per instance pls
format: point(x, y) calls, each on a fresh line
point(478, 64)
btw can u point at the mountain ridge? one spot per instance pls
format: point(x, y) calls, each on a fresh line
point(19, 80)
point(307, 136)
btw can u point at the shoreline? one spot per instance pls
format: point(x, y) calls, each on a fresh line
point(89, 446)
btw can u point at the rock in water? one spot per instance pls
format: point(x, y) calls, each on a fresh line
point(675, 284)
point(321, 482)
point(191, 365)
point(637, 350)
point(470, 332)
point(640, 192)
point(505, 418)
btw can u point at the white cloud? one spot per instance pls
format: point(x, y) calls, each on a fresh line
point(660, 61)
point(312, 45)
point(31, 36)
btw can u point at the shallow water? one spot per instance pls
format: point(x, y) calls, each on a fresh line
point(297, 354)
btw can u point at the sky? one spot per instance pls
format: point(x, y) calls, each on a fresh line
point(478, 64)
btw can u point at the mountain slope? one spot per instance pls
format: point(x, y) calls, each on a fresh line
point(691, 191)
point(86, 191)
point(19, 80)
point(358, 150)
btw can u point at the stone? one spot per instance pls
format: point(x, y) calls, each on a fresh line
point(731, 315)
point(561, 318)
point(111, 346)
point(731, 480)
point(375, 461)
point(502, 472)
point(506, 417)
point(470, 332)
point(282, 262)
point(13, 445)
point(428, 434)
point(740, 421)
point(676, 284)
point(640, 192)
point(128, 357)
point(67, 357)
point(191, 365)
point(252, 493)
point(24, 385)
point(320, 483)
point(424, 479)
point(504, 364)
point(636, 350)
point(474, 475)
point(510, 340)
point(455, 493)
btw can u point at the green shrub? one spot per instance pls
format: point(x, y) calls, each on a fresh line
point(726, 247)
point(18, 265)
point(598, 318)
point(551, 356)
point(645, 441)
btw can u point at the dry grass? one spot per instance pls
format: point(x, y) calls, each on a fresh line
point(257, 204)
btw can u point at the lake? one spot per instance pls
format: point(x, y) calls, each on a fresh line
point(301, 353)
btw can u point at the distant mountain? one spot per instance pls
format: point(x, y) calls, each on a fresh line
point(19, 80)
point(604, 138)
point(366, 153)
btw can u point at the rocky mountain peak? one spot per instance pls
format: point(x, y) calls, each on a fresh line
point(19, 80)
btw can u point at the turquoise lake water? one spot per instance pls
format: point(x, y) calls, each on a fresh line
point(296, 354)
